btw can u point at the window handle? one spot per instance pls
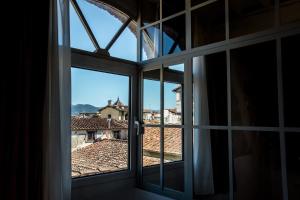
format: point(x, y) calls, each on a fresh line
point(139, 128)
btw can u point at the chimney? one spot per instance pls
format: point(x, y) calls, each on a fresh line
point(109, 123)
point(109, 102)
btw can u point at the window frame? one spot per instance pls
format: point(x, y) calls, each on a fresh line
point(89, 61)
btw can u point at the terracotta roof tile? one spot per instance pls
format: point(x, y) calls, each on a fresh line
point(97, 123)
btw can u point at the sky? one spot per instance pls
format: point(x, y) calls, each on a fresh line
point(96, 88)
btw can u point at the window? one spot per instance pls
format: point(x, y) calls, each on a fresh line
point(106, 98)
point(250, 17)
point(163, 90)
point(100, 28)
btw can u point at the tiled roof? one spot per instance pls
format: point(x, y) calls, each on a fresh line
point(100, 157)
point(172, 140)
point(111, 155)
point(97, 123)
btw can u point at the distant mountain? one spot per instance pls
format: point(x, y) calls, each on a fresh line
point(83, 108)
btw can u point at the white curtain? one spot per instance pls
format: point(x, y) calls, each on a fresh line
point(57, 143)
point(203, 171)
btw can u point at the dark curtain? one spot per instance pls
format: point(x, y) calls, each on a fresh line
point(23, 85)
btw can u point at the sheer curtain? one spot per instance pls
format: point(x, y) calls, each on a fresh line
point(57, 141)
point(203, 169)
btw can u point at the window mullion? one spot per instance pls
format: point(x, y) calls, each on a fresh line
point(117, 35)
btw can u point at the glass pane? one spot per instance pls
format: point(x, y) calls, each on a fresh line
point(247, 17)
point(256, 165)
point(78, 35)
point(208, 24)
point(173, 151)
point(292, 142)
point(174, 35)
point(254, 85)
point(101, 20)
point(170, 7)
point(128, 41)
point(150, 42)
point(290, 49)
point(179, 67)
point(151, 155)
point(151, 97)
point(173, 96)
point(99, 122)
point(289, 11)
point(196, 2)
point(210, 89)
point(150, 11)
point(211, 164)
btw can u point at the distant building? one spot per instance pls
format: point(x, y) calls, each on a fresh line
point(178, 91)
point(90, 130)
point(171, 116)
point(117, 111)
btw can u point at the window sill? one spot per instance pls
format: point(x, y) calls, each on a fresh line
point(101, 178)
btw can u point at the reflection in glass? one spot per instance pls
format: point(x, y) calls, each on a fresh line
point(254, 85)
point(150, 42)
point(174, 35)
point(77, 30)
point(211, 164)
point(99, 124)
point(290, 70)
point(210, 89)
point(170, 7)
point(103, 24)
point(127, 37)
point(151, 97)
point(208, 24)
point(247, 17)
point(289, 11)
point(173, 95)
point(150, 11)
point(151, 155)
point(292, 142)
point(173, 151)
point(256, 165)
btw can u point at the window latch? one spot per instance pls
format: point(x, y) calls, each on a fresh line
point(139, 128)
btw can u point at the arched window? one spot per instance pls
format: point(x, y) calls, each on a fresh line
point(102, 29)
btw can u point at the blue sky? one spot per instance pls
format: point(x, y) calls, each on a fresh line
point(96, 88)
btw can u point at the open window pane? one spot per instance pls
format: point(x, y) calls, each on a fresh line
point(125, 46)
point(151, 97)
point(103, 20)
point(78, 35)
point(254, 85)
point(151, 155)
point(173, 159)
point(256, 165)
point(150, 42)
point(210, 89)
point(174, 35)
point(289, 11)
point(208, 24)
point(173, 95)
point(247, 17)
point(170, 7)
point(99, 122)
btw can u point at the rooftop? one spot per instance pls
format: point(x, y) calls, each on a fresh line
point(97, 123)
